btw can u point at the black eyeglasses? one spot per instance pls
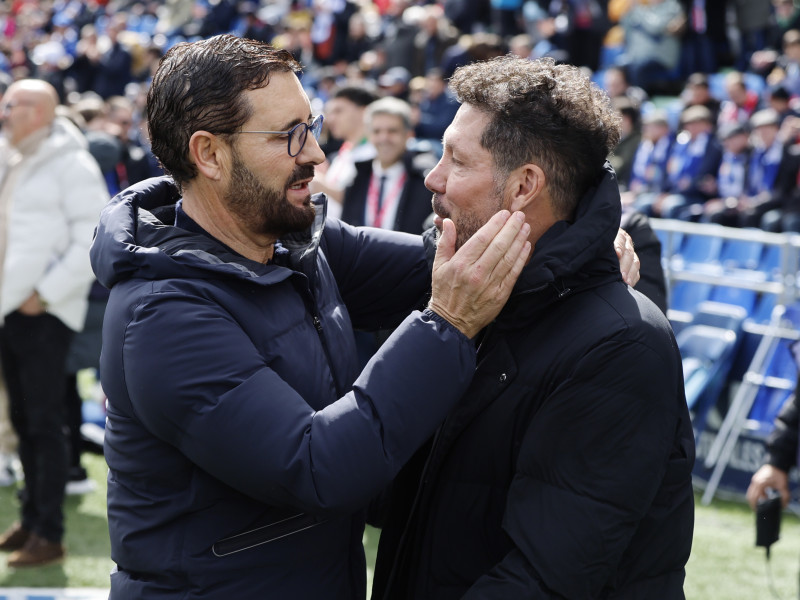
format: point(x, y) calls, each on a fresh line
point(297, 134)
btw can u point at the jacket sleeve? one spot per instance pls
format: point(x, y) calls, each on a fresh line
point(783, 441)
point(382, 275)
point(590, 465)
point(211, 395)
point(84, 194)
point(652, 282)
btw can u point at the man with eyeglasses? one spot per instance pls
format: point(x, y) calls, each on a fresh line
point(241, 441)
point(51, 194)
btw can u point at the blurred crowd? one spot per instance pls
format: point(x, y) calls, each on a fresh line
point(723, 151)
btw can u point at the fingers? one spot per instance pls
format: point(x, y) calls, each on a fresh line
point(474, 247)
point(768, 477)
point(446, 244)
point(754, 492)
point(500, 253)
point(628, 260)
point(471, 285)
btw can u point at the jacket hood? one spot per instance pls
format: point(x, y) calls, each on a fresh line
point(131, 241)
point(578, 254)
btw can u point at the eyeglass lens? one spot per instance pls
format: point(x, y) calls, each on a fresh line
point(299, 135)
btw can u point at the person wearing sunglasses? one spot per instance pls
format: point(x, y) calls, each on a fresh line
point(241, 440)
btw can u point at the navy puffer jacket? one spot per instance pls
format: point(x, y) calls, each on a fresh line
point(241, 440)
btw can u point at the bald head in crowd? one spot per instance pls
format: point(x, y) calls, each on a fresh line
point(29, 105)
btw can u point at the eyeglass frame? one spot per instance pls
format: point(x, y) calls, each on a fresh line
point(315, 128)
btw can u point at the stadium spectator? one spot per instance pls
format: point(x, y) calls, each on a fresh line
point(652, 43)
point(615, 82)
point(649, 168)
point(741, 102)
point(113, 70)
point(697, 92)
point(345, 118)
point(730, 187)
point(52, 195)
point(436, 109)
point(435, 36)
point(692, 167)
point(630, 137)
point(389, 191)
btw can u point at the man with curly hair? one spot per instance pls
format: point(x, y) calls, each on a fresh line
point(565, 472)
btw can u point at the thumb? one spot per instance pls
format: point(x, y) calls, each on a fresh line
point(446, 245)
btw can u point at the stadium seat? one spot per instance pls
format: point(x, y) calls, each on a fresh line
point(698, 253)
point(740, 254)
point(740, 297)
point(706, 353)
point(687, 295)
point(720, 314)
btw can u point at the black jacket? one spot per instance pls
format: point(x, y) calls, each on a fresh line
point(241, 440)
point(565, 472)
point(782, 444)
point(415, 199)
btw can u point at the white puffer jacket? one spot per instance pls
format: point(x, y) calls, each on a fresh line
point(56, 203)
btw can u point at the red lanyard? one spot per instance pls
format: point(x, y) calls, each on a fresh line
point(375, 216)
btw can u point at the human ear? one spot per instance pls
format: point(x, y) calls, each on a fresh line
point(527, 183)
point(208, 153)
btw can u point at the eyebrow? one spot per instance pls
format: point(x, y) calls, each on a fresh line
point(294, 122)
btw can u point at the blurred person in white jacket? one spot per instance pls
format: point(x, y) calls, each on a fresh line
point(51, 195)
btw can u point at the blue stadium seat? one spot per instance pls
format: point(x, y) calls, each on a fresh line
point(740, 297)
point(771, 262)
point(720, 314)
point(706, 352)
point(740, 254)
point(698, 252)
point(670, 242)
point(685, 296)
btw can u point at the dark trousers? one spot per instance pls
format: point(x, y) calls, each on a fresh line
point(73, 407)
point(33, 352)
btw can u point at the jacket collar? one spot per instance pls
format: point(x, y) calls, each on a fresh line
point(575, 255)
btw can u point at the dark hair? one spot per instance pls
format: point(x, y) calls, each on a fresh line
point(627, 108)
point(545, 113)
point(199, 86)
point(360, 96)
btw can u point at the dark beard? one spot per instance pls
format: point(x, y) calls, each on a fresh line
point(268, 211)
point(466, 226)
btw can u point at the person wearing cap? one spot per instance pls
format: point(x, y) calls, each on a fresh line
point(394, 82)
point(772, 176)
point(731, 180)
point(691, 167)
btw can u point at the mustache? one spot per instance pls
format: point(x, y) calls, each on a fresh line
point(300, 173)
point(438, 208)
